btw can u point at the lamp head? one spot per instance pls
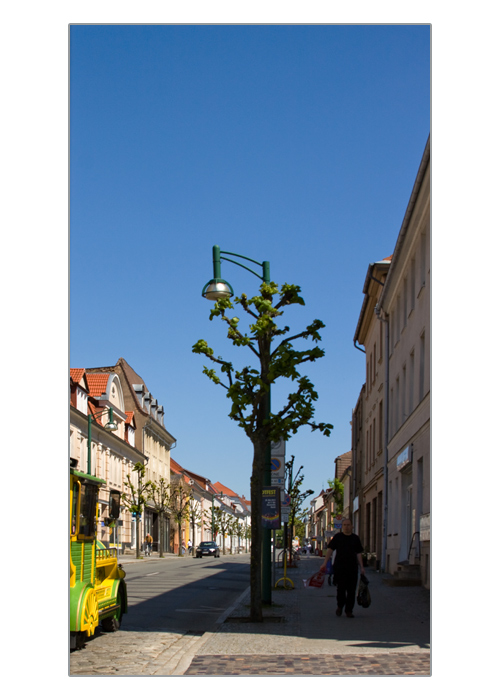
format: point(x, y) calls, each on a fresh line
point(111, 426)
point(217, 289)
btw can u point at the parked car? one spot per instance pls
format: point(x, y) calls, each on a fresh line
point(207, 549)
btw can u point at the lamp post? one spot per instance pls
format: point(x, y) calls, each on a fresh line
point(109, 427)
point(217, 288)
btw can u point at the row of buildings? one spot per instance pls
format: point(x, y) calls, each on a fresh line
point(386, 474)
point(113, 411)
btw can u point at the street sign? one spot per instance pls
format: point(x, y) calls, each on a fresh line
point(278, 449)
point(278, 466)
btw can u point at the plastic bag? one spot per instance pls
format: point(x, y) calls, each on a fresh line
point(363, 598)
point(315, 581)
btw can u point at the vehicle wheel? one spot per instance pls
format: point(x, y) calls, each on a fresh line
point(112, 624)
point(90, 614)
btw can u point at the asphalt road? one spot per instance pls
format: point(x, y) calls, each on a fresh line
point(183, 594)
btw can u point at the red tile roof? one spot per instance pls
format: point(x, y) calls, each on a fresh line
point(96, 413)
point(76, 374)
point(342, 464)
point(97, 384)
point(227, 492)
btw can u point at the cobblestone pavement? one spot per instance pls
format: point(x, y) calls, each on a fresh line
point(395, 664)
point(135, 654)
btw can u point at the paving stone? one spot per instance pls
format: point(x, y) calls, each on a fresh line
point(393, 664)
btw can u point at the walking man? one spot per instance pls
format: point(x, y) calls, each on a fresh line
point(149, 544)
point(348, 557)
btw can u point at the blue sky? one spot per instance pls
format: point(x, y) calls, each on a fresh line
point(293, 144)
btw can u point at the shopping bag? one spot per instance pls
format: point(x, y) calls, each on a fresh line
point(316, 580)
point(363, 598)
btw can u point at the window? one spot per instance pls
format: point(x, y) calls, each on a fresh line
point(422, 368)
point(391, 406)
point(398, 329)
point(411, 381)
point(405, 301)
point(88, 503)
point(396, 408)
point(367, 460)
point(423, 239)
point(403, 395)
point(413, 282)
point(380, 425)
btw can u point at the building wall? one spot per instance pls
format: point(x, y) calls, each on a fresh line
point(406, 301)
point(151, 438)
point(112, 459)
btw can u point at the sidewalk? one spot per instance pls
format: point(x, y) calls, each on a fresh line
point(301, 635)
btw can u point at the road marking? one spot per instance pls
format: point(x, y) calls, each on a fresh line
point(202, 609)
point(153, 574)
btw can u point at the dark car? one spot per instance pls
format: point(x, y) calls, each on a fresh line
point(207, 549)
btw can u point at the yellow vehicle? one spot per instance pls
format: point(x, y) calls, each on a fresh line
point(98, 593)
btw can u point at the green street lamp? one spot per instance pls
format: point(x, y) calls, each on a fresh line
point(217, 288)
point(110, 426)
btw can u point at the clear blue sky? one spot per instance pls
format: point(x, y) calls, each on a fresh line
point(293, 144)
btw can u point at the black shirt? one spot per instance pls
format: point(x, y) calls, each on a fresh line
point(347, 548)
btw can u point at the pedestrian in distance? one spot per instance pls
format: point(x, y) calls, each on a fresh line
point(149, 544)
point(190, 546)
point(348, 549)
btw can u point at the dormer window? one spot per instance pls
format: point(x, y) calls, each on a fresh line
point(154, 406)
point(131, 435)
point(139, 390)
point(160, 414)
point(81, 400)
point(147, 402)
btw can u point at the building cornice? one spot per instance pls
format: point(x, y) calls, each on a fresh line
point(113, 441)
point(424, 164)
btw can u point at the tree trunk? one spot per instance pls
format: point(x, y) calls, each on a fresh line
point(257, 482)
point(137, 544)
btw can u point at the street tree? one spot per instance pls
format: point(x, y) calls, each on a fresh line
point(178, 505)
point(297, 497)
point(196, 517)
point(158, 494)
point(338, 495)
point(136, 499)
point(232, 531)
point(222, 522)
point(248, 390)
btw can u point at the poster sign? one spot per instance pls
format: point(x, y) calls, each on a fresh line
point(425, 527)
point(337, 525)
point(404, 458)
point(271, 516)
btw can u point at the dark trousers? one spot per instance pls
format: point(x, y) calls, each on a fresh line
point(346, 589)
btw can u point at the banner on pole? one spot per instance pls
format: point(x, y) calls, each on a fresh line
point(271, 516)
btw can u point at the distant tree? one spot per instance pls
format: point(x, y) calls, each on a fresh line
point(178, 503)
point(196, 516)
point(159, 495)
point(297, 496)
point(222, 519)
point(136, 499)
point(338, 495)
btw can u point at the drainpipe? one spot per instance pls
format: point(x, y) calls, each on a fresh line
point(358, 347)
point(378, 313)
